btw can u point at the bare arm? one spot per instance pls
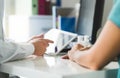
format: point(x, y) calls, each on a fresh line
point(106, 48)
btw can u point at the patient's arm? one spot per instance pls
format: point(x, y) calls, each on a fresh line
point(106, 48)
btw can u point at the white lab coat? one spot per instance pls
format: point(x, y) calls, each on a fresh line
point(10, 50)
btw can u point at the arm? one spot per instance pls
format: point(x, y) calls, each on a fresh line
point(13, 51)
point(106, 48)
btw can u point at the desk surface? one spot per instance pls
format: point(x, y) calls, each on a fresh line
point(53, 67)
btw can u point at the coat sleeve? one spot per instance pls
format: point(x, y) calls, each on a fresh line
point(12, 51)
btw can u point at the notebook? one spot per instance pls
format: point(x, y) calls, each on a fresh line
point(61, 40)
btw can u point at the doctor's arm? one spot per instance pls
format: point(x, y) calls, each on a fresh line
point(12, 51)
point(106, 48)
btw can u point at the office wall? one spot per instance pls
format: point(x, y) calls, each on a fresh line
point(107, 8)
point(69, 3)
point(85, 22)
point(9, 10)
point(23, 7)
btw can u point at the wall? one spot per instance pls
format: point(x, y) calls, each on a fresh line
point(23, 7)
point(107, 8)
point(69, 3)
point(9, 10)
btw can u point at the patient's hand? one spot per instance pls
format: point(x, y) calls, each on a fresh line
point(77, 47)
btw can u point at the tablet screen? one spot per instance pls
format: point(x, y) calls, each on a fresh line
point(61, 40)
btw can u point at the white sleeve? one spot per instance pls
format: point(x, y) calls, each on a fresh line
point(12, 51)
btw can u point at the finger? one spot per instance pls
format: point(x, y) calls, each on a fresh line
point(86, 48)
point(79, 46)
point(45, 43)
point(49, 41)
point(37, 36)
point(70, 53)
point(65, 57)
point(40, 36)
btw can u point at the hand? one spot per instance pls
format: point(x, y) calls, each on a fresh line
point(37, 36)
point(77, 47)
point(40, 44)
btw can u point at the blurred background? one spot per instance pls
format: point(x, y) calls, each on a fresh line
point(26, 18)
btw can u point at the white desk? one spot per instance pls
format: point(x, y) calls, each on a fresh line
point(55, 67)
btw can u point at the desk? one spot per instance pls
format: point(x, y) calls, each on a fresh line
point(55, 67)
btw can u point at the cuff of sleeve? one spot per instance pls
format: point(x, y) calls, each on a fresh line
point(28, 48)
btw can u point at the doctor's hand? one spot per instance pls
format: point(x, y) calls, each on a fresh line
point(37, 36)
point(40, 44)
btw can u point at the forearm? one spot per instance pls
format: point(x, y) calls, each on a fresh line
point(107, 46)
point(12, 51)
point(105, 49)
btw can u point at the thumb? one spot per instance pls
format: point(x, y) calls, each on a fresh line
point(41, 36)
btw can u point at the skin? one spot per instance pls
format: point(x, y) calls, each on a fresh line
point(40, 44)
point(106, 48)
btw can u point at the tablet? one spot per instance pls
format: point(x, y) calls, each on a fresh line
point(61, 40)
